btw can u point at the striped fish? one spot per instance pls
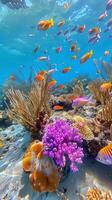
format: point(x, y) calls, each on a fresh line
point(105, 155)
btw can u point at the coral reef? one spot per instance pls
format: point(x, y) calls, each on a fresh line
point(99, 96)
point(44, 175)
point(97, 194)
point(83, 125)
point(32, 109)
point(105, 114)
point(61, 142)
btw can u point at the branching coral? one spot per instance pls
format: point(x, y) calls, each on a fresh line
point(61, 142)
point(97, 194)
point(30, 109)
point(105, 114)
point(82, 124)
point(44, 175)
point(98, 95)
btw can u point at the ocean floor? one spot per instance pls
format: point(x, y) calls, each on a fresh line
point(14, 184)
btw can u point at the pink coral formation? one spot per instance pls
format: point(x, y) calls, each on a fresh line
point(44, 175)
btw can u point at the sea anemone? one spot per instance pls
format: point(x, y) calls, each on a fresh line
point(62, 143)
point(44, 175)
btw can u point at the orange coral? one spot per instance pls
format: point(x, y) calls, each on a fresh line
point(97, 194)
point(44, 175)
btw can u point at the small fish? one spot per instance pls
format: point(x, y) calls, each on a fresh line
point(109, 24)
point(94, 30)
point(45, 24)
point(73, 47)
point(66, 69)
point(74, 57)
point(81, 29)
point(74, 28)
point(61, 86)
point(105, 155)
point(66, 5)
point(60, 32)
point(58, 49)
point(77, 50)
point(61, 23)
point(81, 101)
point(43, 72)
point(66, 32)
point(39, 77)
point(109, 5)
point(44, 58)
point(105, 87)
point(51, 71)
point(52, 83)
point(95, 38)
point(36, 50)
point(31, 35)
point(102, 16)
point(12, 78)
point(58, 107)
point(86, 56)
point(106, 53)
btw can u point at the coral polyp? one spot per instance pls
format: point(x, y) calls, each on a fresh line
point(62, 143)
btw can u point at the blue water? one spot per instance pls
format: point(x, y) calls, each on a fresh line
point(19, 36)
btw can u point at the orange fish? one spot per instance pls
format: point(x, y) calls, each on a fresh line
point(52, 83)
point(105, 155)
point(86, 56)
point(39, 77)
point(61, 86)
point(81, 28)
point(95, 30)
point(106, 53)
point(61, 23)
point(12, 78)
point(45, 24)
point(43, 73)
point(73, 47)
point(106, 86)
point(66, 69)
point(58, 107)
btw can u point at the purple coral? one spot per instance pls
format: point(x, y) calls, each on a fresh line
point(61, 142)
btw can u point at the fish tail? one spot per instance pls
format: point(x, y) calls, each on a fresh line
point(52, 21)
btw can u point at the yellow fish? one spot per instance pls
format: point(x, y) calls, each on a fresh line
point(86, 56)
point(45, 24)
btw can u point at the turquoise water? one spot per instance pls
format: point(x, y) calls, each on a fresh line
point(19, 36)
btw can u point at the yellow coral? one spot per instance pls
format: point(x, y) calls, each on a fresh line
point(45, 176)
point(82, 124)
point(97, 194)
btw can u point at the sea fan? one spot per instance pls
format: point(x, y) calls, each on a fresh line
point(62, 143)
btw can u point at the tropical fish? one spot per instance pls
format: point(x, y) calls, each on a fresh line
point(61, 86)
point(66, 69)
point(109, 5)
point(52, 83)
point(109, 22)
point(43, 72)
point(45, 24)
point(106, 53)
point(81, 28)
point(73, 47)
point(44, 58)
point(86, 56)
point(74, 57)
point(77, 50)
point(102, 16)
point(12, 78)
point(58, 49)
point(74, 28)
point(94, 30)
point(58, 107)
point(60, 32)
point(66, 5)
point(81, 101)
point(61, 23)
point(39, 77)
point(66, 32)
point(105, 155)
point(95, 38)
point(105, 87)
point(52, 71)
point(36, 50)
